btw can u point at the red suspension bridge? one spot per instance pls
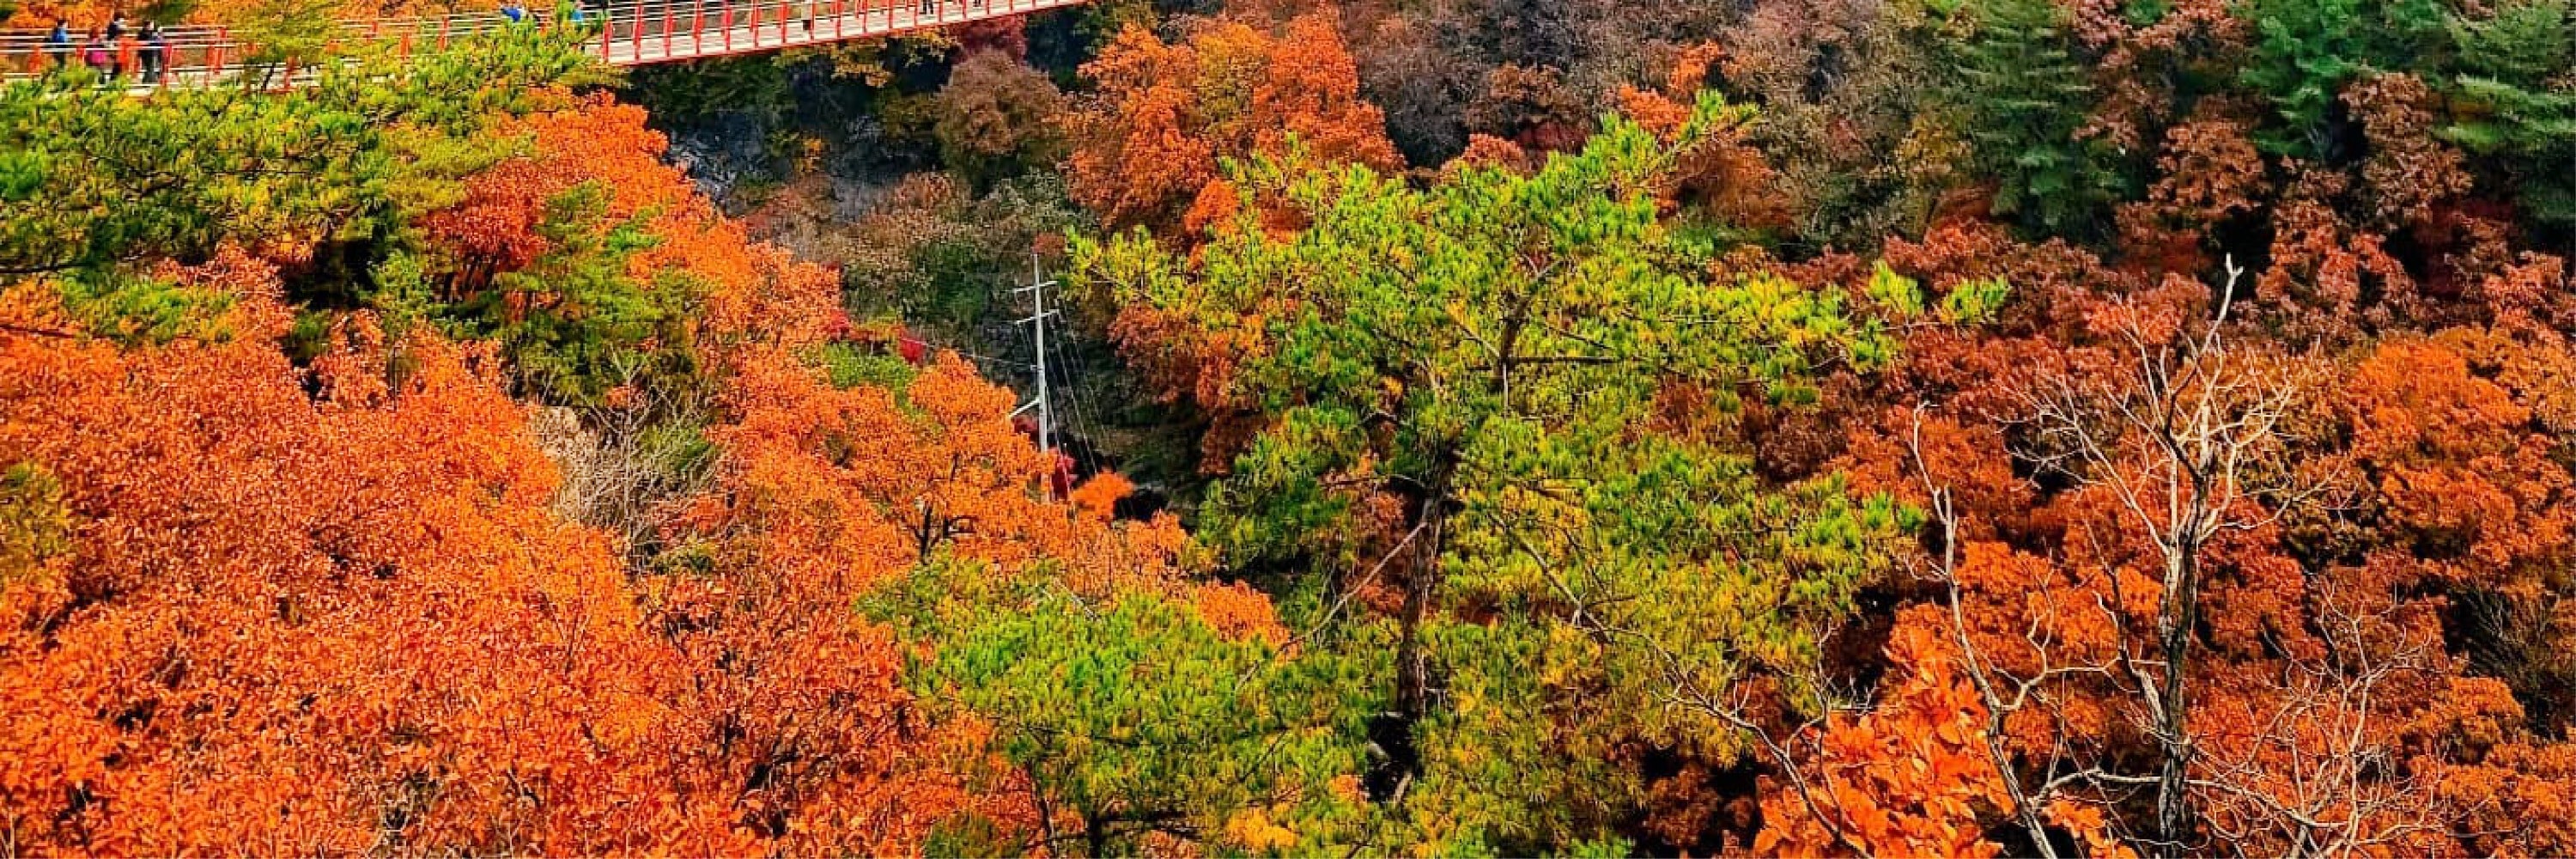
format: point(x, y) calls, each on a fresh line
point(629, 33)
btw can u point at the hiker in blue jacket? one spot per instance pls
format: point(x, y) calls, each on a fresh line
point(59, 43)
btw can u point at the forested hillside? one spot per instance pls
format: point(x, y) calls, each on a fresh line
point(1474, 427)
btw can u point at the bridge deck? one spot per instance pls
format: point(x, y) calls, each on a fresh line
point(631, 33)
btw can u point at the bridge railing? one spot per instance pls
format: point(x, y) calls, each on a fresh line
point(626, 32)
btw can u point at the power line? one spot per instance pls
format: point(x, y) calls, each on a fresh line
point(1085, 425)
point(925, 343)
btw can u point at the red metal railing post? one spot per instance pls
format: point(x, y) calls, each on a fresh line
point(725, 20)
point(215, 52)
point(697, 26)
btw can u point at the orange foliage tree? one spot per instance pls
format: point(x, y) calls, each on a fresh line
point(669, 280)
point(825, 493)
point(291, 622)
point(255, 604)
point(1165, 116)
point(2362, 507)
point(1913, 776)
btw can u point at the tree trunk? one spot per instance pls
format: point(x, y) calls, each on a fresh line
point(1422, 581)
point(2173, 708)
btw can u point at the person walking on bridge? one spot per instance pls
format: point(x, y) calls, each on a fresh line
point(100, 60)
point(116, 45)
point(117, 31)
point(150, 50)
point(58, 43)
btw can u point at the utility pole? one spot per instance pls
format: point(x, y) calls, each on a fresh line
point(1046, 410)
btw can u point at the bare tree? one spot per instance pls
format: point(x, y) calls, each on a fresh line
point(622, 464)
point(2185, 432)
point(2319, 775)
point(2005, 694)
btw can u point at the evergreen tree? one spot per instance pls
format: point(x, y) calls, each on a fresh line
point(575, 321)
point(1494, 406)
point(1133, 716)
point(2516, 95)
point(91, 177)
point(2024, 94)
point(2306, 50)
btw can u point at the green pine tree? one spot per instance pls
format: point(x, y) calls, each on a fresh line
point(2023, 94)
point(574, 322)
point(91, 178)
point(1136, 717)
point(2515, 99)
point(1485, 361)
point(2305, 51)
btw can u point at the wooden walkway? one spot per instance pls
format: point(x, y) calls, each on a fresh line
point(628, 33)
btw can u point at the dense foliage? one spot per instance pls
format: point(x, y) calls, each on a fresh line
point(1479, 427)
